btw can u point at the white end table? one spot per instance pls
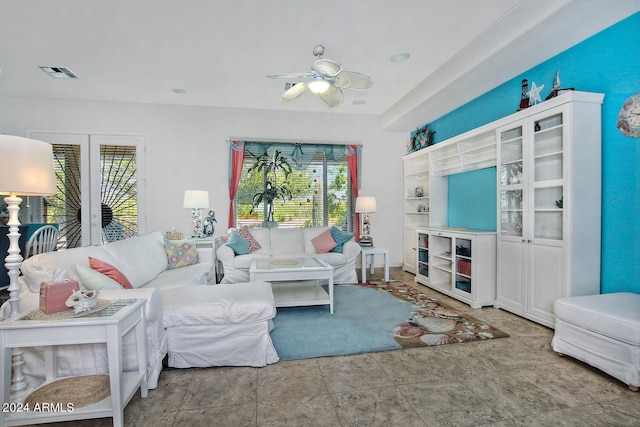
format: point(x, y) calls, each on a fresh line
point(108, 326)
point(371, 251)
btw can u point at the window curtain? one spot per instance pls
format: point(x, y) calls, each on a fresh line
point(236, 158)
point(353, 158)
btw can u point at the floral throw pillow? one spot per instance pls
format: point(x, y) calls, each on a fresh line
point(181, 253)
point(246, 234)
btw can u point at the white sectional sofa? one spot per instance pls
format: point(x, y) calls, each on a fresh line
point(207, 317)
point(282, 242)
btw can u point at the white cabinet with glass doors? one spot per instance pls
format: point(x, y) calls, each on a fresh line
point(460, 264)
point(549, 180)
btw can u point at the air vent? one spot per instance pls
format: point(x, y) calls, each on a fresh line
point(58, 72)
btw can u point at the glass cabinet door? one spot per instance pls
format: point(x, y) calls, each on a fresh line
point(511, 181)
point(548, 171)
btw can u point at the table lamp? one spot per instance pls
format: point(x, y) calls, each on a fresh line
point(196, 200)
point(26, 168)
point(364, 206)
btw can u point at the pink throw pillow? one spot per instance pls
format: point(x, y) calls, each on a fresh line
point(110, 271)
point(323, 242)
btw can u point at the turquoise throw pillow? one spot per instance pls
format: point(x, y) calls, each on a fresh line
point(340, 238)
point(239, 244)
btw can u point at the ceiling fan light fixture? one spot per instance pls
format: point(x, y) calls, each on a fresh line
point(319, 85)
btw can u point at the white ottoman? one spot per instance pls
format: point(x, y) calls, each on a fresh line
point(219, 325)
point(603, 331)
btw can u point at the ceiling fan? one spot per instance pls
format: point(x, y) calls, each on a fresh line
point(327, 80)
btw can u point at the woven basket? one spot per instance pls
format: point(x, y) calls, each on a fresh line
point(176, 235)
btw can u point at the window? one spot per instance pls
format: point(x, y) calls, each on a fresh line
point(317, 190)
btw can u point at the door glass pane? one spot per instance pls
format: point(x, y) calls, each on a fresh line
point(511, 212)
point(548, 148)
point(63, 208)
point(511, 156)
point(118, 192)
point(548, 210)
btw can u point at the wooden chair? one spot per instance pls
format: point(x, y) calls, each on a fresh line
point(44, 239)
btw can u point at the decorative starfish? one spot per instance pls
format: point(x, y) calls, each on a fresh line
point(534, 94)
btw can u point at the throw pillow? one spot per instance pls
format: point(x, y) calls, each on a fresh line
point(340, 238)
point(246, 234)
point(323, 242)
point(180, 253)
point(110, 271)
point(93, 280)
point(239, 244)
point(253, 243)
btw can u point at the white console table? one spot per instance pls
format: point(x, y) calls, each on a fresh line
point(108, 326)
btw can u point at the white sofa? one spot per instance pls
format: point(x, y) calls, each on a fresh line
point(279, 242)
point(173, 298)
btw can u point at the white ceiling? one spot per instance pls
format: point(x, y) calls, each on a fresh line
point(220, 52)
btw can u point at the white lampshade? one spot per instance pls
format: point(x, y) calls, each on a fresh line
point(196, 199)
point(366, 205)
point(26, 167)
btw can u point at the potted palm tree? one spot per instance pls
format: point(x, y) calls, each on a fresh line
point(274, 168)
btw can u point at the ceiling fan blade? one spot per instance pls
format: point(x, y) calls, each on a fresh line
point(353, 80)
point(327, 67)
point(290, 76)
point(332, 97)
point(294, 91)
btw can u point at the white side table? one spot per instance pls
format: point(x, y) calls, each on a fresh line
point(370, 251)
point(108, 326)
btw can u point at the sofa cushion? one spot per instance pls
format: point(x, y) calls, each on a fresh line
point(94, 280)
point(323, 242)
point(139, 258)
point(180, 253)
point(287, 241)
point(340, 237)
point(243, 262)
point(222, 304)
point(239, 244)
point(39, 268)
point(263, 237)
point(109, 271)
point(197, 274)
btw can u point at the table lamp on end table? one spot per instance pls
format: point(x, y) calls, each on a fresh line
point(364, 206)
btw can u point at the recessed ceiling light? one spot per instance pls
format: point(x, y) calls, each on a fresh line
point(359, 102)
point(179, 91)
point(400, 57)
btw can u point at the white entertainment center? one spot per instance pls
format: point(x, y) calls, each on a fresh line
point(547, 242)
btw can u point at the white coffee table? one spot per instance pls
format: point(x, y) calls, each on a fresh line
point(299, 280)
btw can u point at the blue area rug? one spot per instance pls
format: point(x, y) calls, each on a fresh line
point(373, 317)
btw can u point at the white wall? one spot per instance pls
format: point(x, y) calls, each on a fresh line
point(187, 149)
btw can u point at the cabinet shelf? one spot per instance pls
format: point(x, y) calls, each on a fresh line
point(418, 174)
point(544, 156)
point(549, 129)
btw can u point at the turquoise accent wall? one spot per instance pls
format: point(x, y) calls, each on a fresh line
point(472, 200)
point(609, 63)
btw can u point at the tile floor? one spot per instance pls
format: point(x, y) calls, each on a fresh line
point(515, 381)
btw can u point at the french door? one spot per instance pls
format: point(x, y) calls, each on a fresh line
point(100, 180)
